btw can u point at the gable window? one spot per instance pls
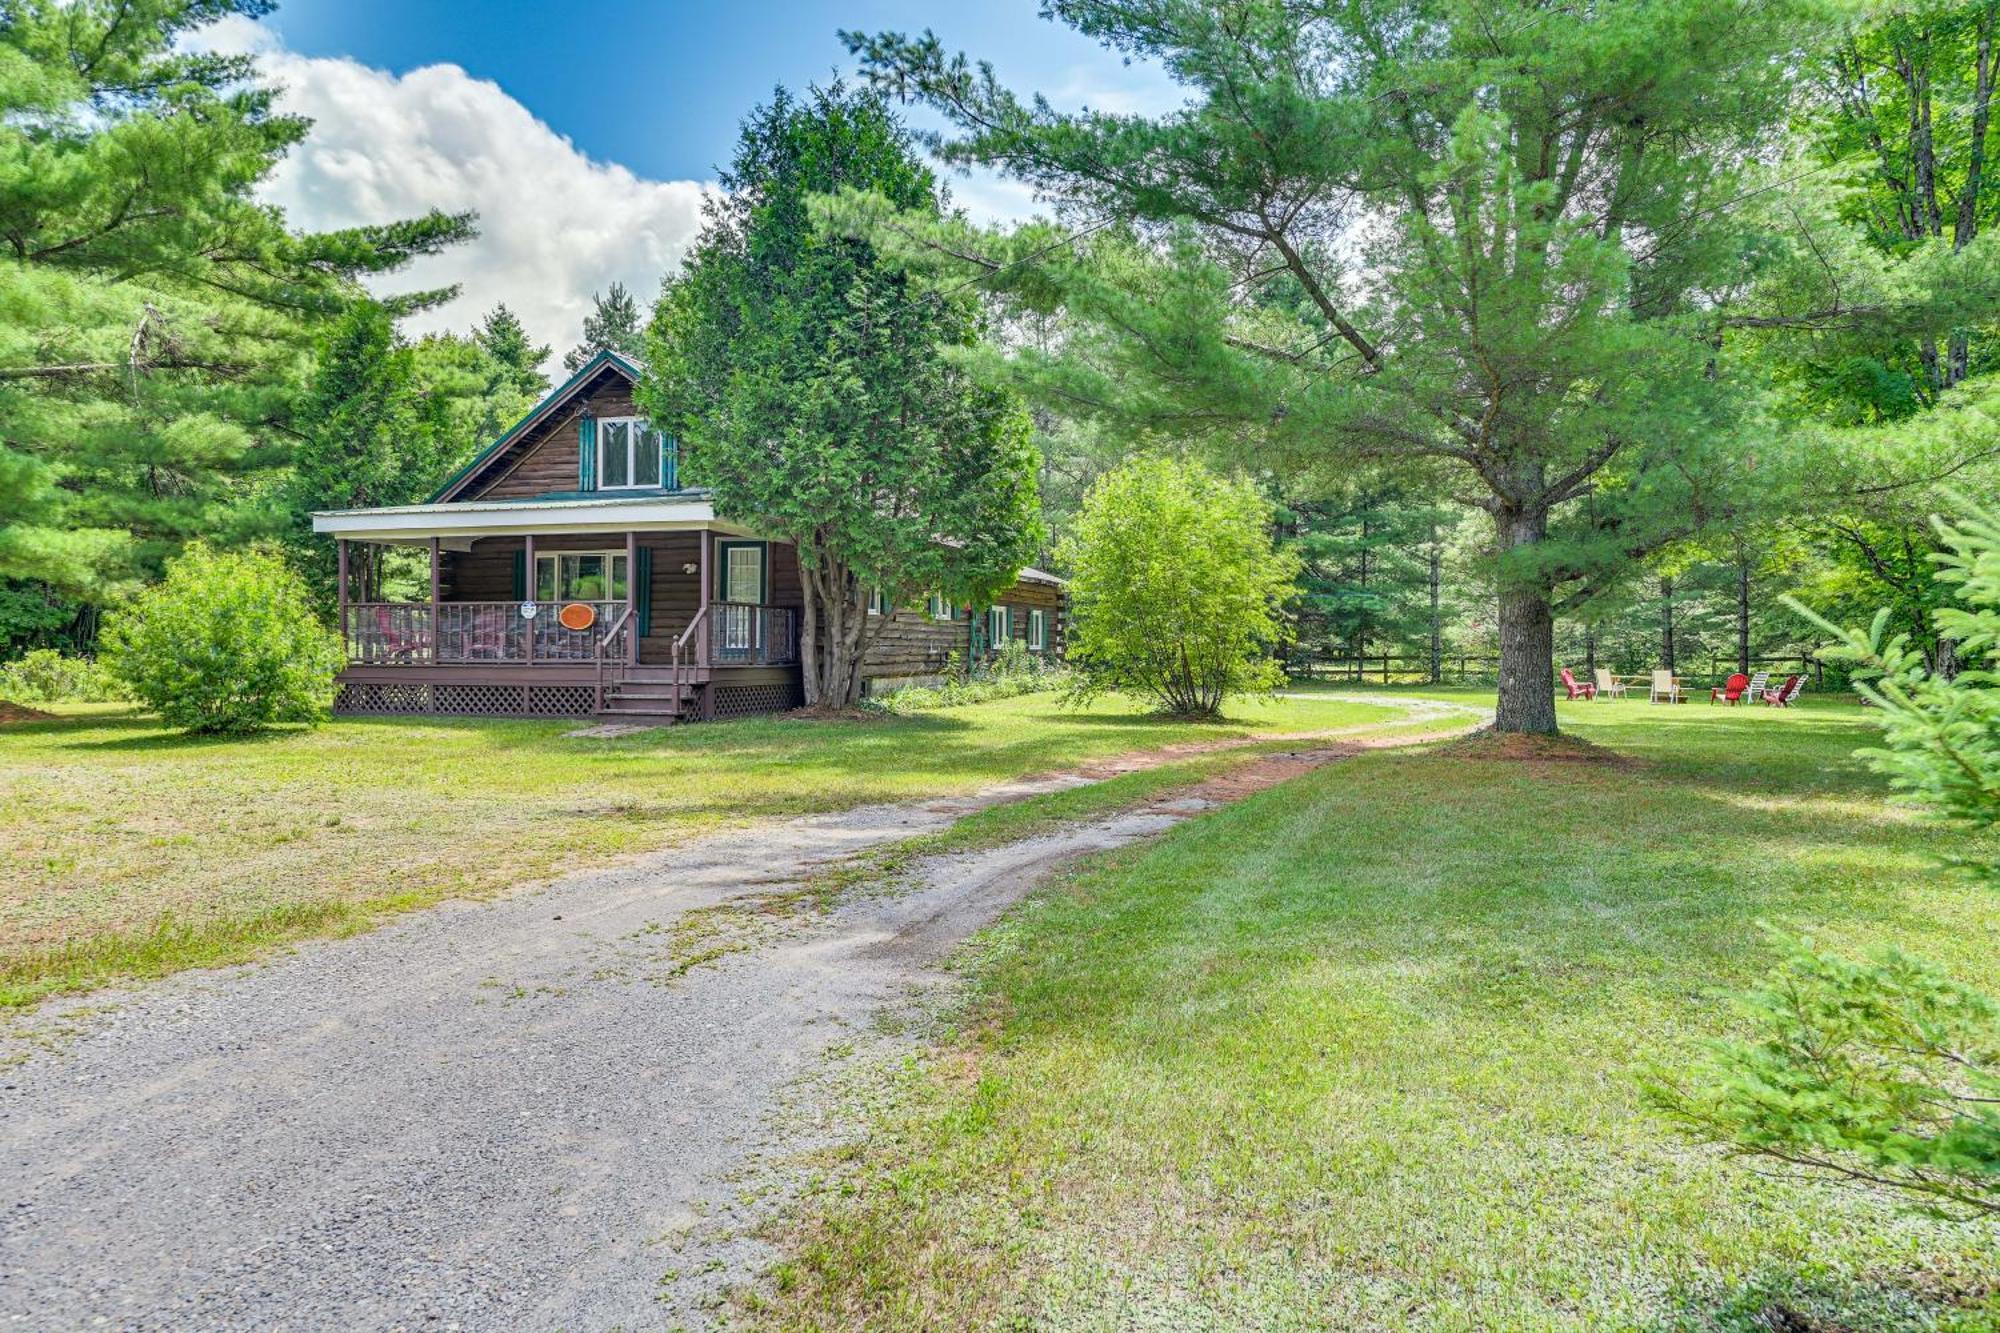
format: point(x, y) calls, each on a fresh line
point(941, 607)
point(580, 576)
point(1038, 630)
point(997, 621)
point(632, 455)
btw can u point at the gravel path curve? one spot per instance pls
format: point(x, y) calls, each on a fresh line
point(492, 1115)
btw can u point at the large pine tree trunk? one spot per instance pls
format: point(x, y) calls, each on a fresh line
point(1527, 638)
point(1743, 616)
point(1667, 624)
point(1437, 620)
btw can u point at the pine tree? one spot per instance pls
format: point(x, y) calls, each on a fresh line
point(614, 323)
point(1481, 237)
point(158, 319)
point(503, 338)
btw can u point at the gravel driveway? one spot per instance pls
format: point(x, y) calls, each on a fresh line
point(503, 1115)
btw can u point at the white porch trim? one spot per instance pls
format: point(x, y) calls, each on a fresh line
point(458, 522)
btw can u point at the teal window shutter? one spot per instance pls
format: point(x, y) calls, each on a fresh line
point(586, 454)
point(521, 575)
point(644, 589)
point(670, 462)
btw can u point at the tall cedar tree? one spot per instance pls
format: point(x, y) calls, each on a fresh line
point(1488, 235)
point(158, 319)
point(813, 392)
point(613, 324)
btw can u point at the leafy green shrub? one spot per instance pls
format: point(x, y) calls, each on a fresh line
point(1177, 588)
point(45, 676)
point(226, 642)
point(1888, 1072)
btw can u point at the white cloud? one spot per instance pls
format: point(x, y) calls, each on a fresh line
point(554, 225)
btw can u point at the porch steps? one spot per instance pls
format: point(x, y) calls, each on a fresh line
point(649, 698)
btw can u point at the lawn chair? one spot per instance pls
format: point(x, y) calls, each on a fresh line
point(1577, 691)
point(1758, 684)
point(1666, 689)
point(390, 642)
point(1609, 686)
point(1731, 690)
point(1783, 696)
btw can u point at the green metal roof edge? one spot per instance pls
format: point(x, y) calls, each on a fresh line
point(555, 398)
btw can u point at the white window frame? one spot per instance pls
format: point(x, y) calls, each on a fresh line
point(878, 603)
point(636, 429)
point(999, 625)
point(729, 554)
point(555, 559)
point(941, 608)
point(1038, 630)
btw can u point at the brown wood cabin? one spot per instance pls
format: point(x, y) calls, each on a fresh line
point(572, 576)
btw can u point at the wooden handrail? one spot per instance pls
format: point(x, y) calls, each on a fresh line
point(680, 647)
point(611, 636)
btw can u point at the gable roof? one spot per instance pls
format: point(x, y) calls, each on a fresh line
point(540, 413)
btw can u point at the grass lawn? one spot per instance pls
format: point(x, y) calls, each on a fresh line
point(128, 850)
point(1359, 1052)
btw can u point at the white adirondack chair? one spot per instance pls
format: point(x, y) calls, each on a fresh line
point(1757, 684)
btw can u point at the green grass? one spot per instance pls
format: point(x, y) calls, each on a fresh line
point(1360, 1052)
point(126, 850)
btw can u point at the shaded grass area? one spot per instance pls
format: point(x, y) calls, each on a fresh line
point(1359, 1052)
point(130, 851)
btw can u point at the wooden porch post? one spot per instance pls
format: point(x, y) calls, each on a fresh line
point(701, 603)
point(632, 593)
point(528, 590)
point(340, 590)
point(437, 559)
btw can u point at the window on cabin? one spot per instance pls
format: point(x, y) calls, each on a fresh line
point(580, 576)
point(743, 574)
point(1038, 630)
point(997, 624)
point(941, 607)
point(878, 603)
point(628, 454)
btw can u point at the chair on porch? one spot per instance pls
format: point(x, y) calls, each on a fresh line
point(391, 642)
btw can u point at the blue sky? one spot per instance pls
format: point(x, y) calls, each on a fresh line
point(586, 135)
point(659, 87)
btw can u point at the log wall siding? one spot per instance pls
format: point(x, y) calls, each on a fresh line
point(914, 644)
point(544, 461)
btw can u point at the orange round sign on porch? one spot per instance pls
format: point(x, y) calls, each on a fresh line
point(577, 615)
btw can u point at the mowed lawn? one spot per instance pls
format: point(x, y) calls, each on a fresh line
point(128, 850)
point(1361, 1052)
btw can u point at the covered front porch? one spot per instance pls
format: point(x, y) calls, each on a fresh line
point(620, 607)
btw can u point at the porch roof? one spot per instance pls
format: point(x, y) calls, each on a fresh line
point(461, 521)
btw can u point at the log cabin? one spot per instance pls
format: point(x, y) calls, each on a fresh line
point(572, 575)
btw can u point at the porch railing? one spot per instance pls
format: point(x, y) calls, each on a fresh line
point(391, 633)
point(399, 633)
point(740, 634)
point(614, 653)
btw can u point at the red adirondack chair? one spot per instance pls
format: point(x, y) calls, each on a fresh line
point(1731, 690)
point(389, 641)
point(1782, 696)
point(1577, 691)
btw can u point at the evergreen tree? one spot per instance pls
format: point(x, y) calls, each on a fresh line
point(376, 436)
point(811, 389)
point(613, 324)
point(1495, 238)
point(518, 361)
point(157, 319)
